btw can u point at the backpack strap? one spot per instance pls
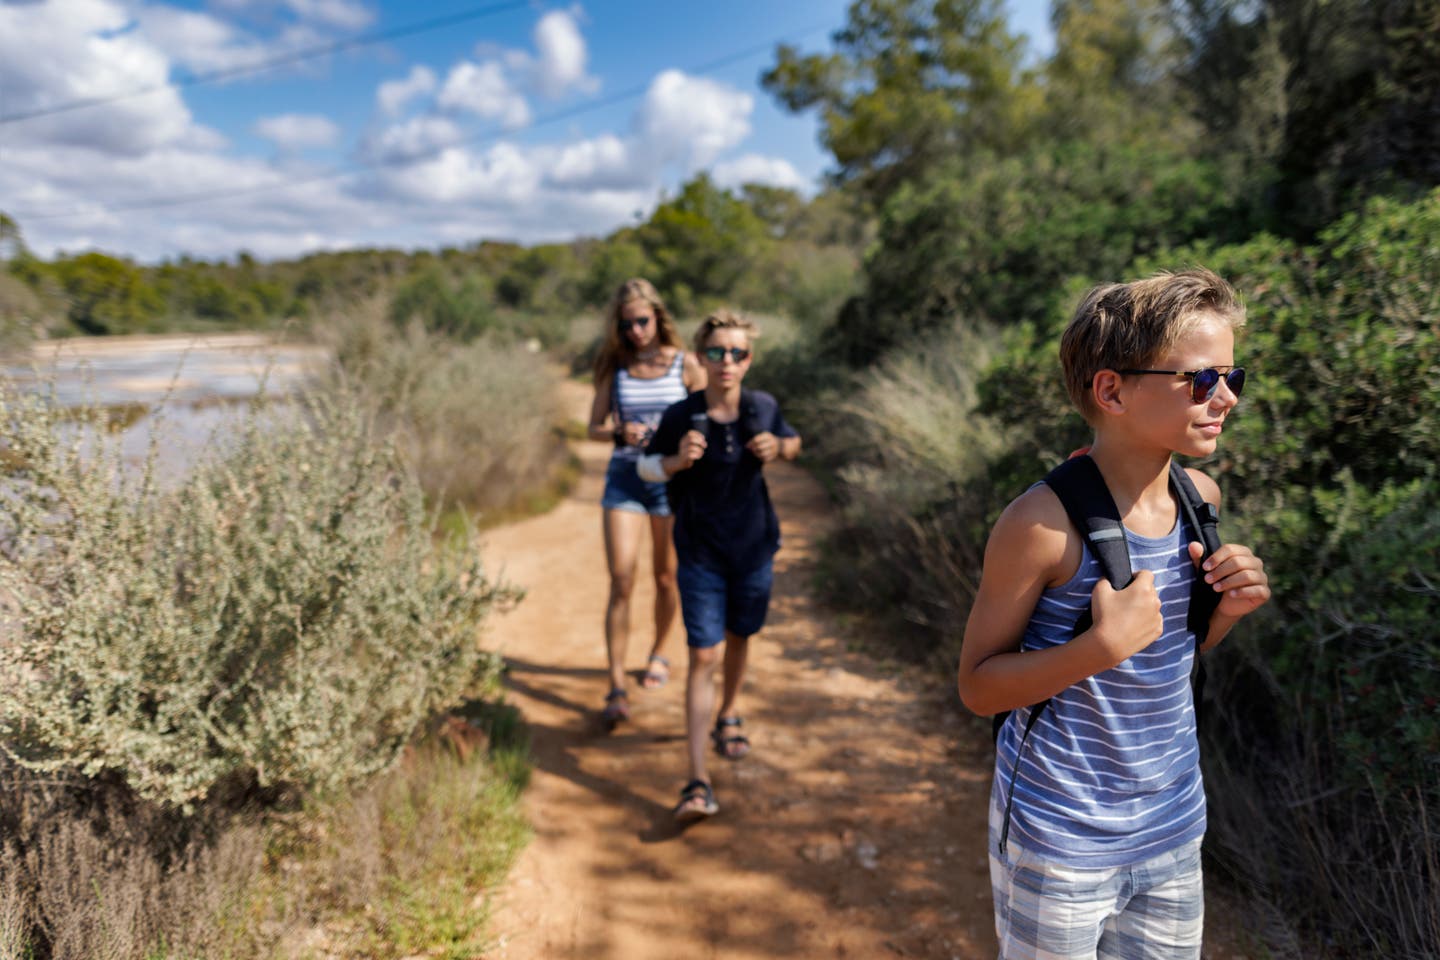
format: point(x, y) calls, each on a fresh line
point(1204, 520)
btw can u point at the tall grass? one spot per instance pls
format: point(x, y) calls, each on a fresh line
point(404, 865)
point(478, 422)
point(909, 456)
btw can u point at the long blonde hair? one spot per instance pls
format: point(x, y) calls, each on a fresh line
point(617, 351)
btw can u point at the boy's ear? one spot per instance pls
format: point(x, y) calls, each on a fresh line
point(1105, 391)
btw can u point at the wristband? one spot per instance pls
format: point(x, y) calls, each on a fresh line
point(651, 469)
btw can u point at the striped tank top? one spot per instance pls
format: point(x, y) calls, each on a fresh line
point(1110, 774)
point(644, 399)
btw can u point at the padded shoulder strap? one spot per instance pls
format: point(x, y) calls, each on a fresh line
point(1204, 520)
point(1087, 501)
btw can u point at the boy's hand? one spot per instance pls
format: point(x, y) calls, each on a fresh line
point(764, 445)
point(692, 448)
point(1126, 621)
point(1235, 570)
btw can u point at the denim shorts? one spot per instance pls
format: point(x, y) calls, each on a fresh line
point(712, 602)
point(624, 490)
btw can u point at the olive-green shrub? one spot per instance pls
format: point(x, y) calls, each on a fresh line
point(279, 613)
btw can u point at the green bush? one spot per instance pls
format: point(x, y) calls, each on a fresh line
point(279, 613)
point(477, 422)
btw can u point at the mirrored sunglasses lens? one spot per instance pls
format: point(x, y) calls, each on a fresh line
point(1235, 380)
point(1204, 384)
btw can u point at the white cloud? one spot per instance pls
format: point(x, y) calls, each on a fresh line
point(605, 162)
point(392, 96)
point(201, 42)
point(415, 138)
point(460, 176)
point(484, 90)
point(754, 168)
point(335, 13)
point(561, 56)
point(297, 131)
point(342, 14)
point(693, 120)
point(53, 54)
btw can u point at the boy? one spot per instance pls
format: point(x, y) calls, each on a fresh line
point(711, 448)
point(1095, 847)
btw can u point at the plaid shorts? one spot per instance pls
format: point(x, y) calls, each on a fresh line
point(1149, 911)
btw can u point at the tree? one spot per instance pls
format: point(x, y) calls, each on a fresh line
point(107, 295)
point(1322, 101)
point(702, 242)
point(911, 82)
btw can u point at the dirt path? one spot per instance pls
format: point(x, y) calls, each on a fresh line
point(855, 828)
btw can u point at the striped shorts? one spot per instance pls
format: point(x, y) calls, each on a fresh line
point(1149, 911)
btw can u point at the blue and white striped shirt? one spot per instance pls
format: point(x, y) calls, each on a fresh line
point(1110, 774)
point(644, 399)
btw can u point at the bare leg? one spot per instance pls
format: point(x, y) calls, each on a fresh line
point(699, 702)
point(737, 654)
point(623, 532)
point(667, 597)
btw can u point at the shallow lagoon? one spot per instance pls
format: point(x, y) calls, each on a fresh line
point(191, 386)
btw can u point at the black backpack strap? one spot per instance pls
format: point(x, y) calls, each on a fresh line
point(1204, 520)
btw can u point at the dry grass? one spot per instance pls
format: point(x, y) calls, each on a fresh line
point(479, 422)
point(403, 866)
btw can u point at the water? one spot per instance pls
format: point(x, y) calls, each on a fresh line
point(188, 387)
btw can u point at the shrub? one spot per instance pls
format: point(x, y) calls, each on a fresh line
point(910, 457)
point(476, 421)
point(279, 613)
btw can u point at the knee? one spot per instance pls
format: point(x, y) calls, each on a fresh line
point(621, 586)
point(665, 581)
point(704, 659)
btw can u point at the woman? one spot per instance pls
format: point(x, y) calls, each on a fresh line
point(639, 371)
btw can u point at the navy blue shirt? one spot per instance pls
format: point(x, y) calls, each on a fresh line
point(723, 516)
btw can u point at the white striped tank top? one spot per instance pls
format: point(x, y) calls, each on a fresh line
point(644, 399)
point(1110, 774)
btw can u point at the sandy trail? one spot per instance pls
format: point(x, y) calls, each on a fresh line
point(856, 827)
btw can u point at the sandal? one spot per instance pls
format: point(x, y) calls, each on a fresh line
point(617, 708)
point(731, 746)
point(697, 801)
point(656, 672)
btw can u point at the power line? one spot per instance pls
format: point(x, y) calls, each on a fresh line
point(272, 63)
point(360, 167)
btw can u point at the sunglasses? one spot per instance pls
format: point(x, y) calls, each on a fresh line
point(641, 322)
point(717, 354)
point(1204, 383)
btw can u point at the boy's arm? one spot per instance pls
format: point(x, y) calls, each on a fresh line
point(1233, 569)
point(1031, 547)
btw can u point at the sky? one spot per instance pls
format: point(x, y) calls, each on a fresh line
point(204, 128)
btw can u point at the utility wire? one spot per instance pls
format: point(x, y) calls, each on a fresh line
point(272, 63)
point(337, 173)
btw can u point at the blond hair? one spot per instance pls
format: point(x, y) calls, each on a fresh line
point(723, 319)
point(1120, 326)
point(616, 350)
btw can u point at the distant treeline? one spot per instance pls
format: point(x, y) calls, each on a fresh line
point(758, 245)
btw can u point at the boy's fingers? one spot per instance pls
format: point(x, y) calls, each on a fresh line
point(1197, 552)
